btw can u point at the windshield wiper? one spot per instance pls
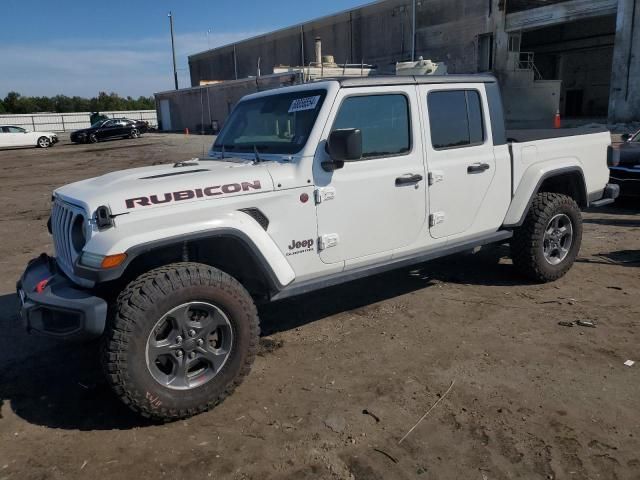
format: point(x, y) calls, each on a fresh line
point(257, 155)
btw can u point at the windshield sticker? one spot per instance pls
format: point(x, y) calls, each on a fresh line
point(302, 104)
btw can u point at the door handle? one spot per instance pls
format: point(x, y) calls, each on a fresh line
point(408, 179)
point(478, 168)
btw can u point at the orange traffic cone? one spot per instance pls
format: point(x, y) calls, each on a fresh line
point(557, 122)
point(186, 131)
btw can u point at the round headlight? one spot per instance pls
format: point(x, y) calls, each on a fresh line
point(78, 235)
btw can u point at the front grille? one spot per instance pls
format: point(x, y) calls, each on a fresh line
point(63, 216)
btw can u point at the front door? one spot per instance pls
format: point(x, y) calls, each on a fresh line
point(7, 138)
point(19, 137)
point(460, 156)
point(377, 204)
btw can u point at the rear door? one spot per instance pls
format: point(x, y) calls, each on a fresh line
point(108, 129)
point(373, 206)
point(123, 128)
point(5, 137)
point(460, 155)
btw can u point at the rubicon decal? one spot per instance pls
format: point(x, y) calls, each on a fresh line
point(297, 247)
point(182, 195)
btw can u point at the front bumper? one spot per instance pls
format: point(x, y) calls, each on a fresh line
point(628, 178)
point(609, 195)
point(60, 309)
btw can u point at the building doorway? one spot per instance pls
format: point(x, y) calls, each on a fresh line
point(580, 54)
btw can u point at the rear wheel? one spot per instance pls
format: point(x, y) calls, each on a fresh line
point(182, 338)
point(546, 245)
point(44, 142)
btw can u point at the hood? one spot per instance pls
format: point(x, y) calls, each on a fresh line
point(140, 189)
point(629, 154)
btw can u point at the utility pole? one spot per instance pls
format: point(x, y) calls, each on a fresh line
point(235, 61)
point(413, 42)
point(173, 51)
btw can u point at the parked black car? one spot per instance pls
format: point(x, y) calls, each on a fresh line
point(110, 128)
point(627, 171)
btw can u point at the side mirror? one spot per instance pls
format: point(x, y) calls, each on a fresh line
point(344, 145)
point(626, 137)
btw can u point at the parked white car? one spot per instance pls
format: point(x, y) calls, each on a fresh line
point(12, 136)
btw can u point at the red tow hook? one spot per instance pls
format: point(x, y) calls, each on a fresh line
point(41, 285)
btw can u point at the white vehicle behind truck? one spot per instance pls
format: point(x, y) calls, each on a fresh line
point(12, 137)
point(305, 187)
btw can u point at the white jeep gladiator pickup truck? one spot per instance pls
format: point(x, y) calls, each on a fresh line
point(305, 187)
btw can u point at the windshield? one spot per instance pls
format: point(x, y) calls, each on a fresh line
point(278, 124)
point(635, 138)
point(98, 123)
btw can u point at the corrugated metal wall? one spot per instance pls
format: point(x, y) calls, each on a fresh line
point(65, 122)
point(199, 108)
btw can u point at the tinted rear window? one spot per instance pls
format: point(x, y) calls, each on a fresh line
point(456, 118)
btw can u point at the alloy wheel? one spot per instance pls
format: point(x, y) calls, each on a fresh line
point(189, 346)
point(558, 238)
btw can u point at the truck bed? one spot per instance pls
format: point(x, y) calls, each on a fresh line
point(536, 152)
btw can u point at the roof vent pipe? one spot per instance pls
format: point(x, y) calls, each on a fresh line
point(318, 50)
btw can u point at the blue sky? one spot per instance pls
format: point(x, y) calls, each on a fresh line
point(82, 47)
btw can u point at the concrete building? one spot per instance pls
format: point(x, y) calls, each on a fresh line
point(580, 56)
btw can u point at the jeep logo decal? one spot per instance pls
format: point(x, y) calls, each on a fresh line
point(191, 194)
point(298, 247)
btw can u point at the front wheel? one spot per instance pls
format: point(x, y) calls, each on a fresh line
point(546, 245)
point(93, 138)
point(134, 133)
point(44, 142)
point(183, 337)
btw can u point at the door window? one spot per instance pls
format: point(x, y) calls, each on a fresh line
point(456, 119)
point(16, 130)
point(382, 119)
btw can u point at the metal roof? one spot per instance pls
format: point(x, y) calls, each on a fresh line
point(380, 80)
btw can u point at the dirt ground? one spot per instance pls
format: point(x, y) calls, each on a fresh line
point(345, 373)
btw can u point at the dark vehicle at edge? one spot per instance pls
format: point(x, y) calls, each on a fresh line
point(627, 171)
point(110, 128)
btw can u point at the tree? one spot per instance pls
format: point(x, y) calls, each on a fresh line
point(11, 102)
point(16, 103)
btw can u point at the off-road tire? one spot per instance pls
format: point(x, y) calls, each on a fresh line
point(141, 304)
point(527, 243)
